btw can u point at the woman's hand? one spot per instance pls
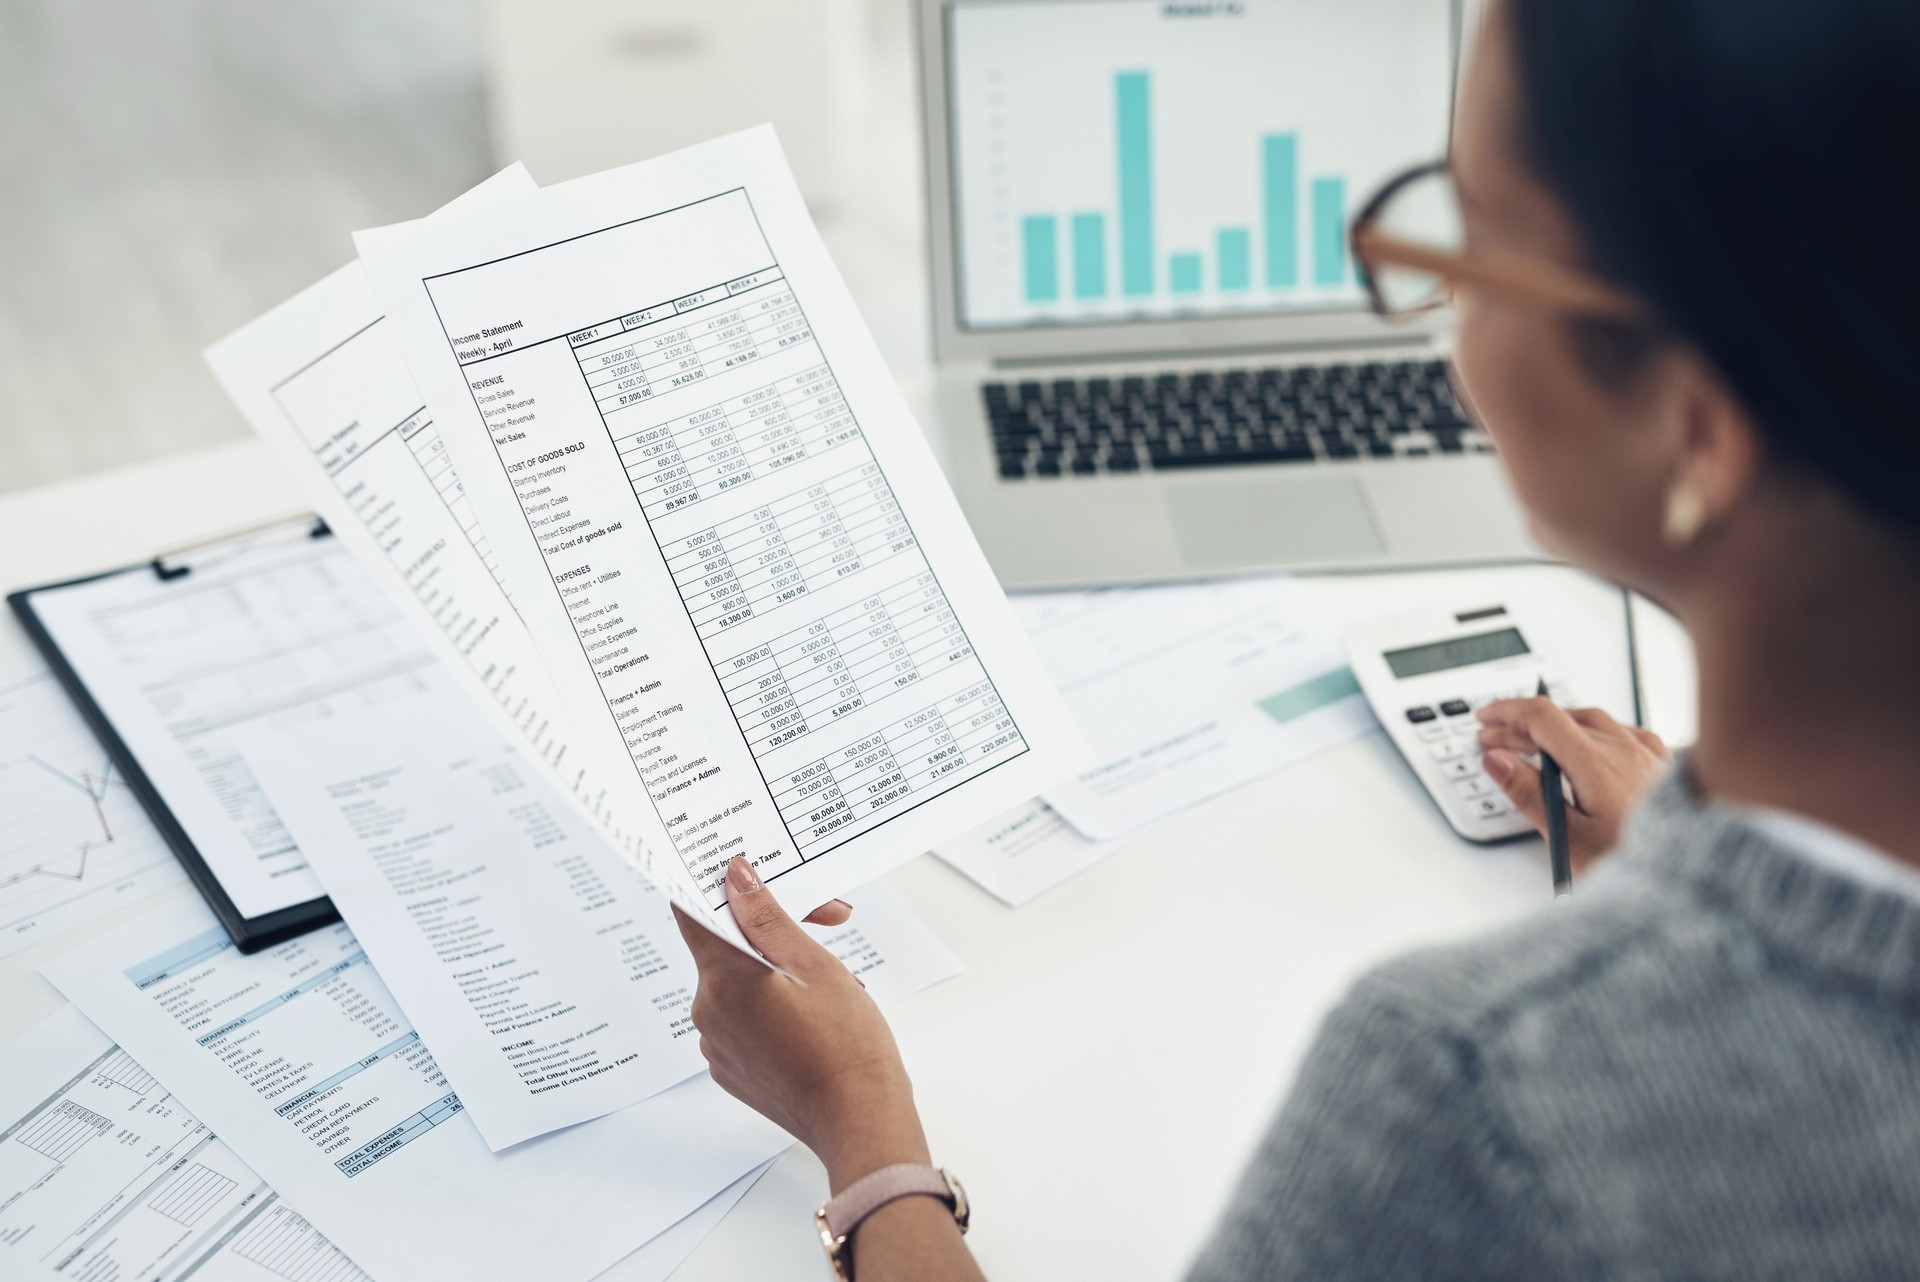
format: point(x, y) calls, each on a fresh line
point(1607, 766)
point(818, 1060)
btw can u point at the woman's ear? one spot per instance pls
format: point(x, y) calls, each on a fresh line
point(1716, 449)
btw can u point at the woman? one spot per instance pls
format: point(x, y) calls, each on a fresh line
point(1688, 301)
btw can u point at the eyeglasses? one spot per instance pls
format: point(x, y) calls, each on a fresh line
point(1409, 245)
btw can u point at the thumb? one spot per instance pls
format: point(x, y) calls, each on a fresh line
point(1520, 781)
point(761, 918)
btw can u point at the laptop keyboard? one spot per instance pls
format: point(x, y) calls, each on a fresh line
point(1219, 418)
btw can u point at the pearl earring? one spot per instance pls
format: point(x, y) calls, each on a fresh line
point(1686, 513)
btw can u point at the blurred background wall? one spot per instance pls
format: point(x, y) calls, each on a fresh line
point(171, 168)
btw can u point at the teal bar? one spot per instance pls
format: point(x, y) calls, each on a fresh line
point(1132, 128)
point(1329, 231)
point(1281, 190)
point(1310, 696)
point(1089, 256)
point(1043, 268)
point(1233, 249)
point(1183, 273)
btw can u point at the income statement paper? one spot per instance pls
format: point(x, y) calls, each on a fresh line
point(719, 521)
point(546, 974)
point(109, 1176)
point(299, 1058)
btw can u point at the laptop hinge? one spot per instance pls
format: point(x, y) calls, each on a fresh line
point(1409, 344)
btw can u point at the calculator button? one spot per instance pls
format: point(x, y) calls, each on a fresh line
point(1474, 787)
point(1480, 701)
point(1417, 715)
point(1432, 730)
point(1448, 750)
point(1491, 806)
point(1455, 707)
point(1467, 729)
point(1460, 768)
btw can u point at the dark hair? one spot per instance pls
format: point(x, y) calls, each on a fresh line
point(1752, 168)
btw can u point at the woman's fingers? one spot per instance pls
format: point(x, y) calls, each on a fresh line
point(835, 912)
point(1544, 726)
point(1521, 783)
point(1509, 738)
point(1652, 742)
point(764, 922)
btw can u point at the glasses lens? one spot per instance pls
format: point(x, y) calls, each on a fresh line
point(1424, 213)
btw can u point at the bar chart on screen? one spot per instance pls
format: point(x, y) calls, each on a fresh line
point(74, 842)
point(1136, 157)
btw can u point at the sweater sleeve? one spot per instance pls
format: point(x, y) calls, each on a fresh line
point(1385, 1163)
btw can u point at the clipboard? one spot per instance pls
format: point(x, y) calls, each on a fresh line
point(249, 934)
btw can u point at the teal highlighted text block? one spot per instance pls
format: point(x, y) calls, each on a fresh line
point(1310, 696)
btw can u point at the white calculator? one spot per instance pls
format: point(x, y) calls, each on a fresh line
point(1426, 674)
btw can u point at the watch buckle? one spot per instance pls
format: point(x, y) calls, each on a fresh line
point(835, 1246)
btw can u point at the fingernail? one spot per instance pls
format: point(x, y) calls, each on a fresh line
point(1499, 765)
point(741, 878)
point(844, 904)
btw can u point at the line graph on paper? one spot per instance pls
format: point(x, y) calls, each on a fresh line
point(74, 843)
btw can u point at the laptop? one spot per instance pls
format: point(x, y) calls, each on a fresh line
point(1154, 354)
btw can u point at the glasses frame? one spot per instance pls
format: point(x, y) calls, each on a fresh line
point(1536, 280)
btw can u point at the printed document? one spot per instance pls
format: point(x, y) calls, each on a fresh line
point(547, 975)
point(109, 1176)
point(1030, 848)
point(299, 1058)
point(1187, 691)
point(282, 630)
point(74, 842)
point(757, 597)
point(320, 379)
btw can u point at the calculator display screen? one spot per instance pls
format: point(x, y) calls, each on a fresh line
point(1417, 661)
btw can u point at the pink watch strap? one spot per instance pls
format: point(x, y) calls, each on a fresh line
point(843, 1213)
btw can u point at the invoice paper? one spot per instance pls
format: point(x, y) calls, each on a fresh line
point(320, 379)
point(300, 1059)
point(74, 842)
point(731, 545)
point(104, 1174)
point(1189, 690)
point(547, 975)
point(282, 630)
point(108, 1176)
point(1030, 848)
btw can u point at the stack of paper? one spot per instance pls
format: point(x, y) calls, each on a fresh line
point(110, 1176)
point(1185, 691)
point(675, 579)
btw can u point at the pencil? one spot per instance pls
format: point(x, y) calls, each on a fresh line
point(1555, 800)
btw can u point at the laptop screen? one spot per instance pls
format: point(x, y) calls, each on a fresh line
point(1117, 160)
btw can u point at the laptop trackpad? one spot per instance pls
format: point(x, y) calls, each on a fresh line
point(1300, 521)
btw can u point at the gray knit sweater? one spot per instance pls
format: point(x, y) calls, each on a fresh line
point(1707, 1067)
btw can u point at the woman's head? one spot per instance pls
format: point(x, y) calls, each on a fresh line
point(1742, 166)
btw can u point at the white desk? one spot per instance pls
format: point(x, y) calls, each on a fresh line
point(1135, 1026)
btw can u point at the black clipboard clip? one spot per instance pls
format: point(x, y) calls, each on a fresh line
point(168, 566)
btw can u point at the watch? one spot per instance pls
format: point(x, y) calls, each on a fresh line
point(842, 1213)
